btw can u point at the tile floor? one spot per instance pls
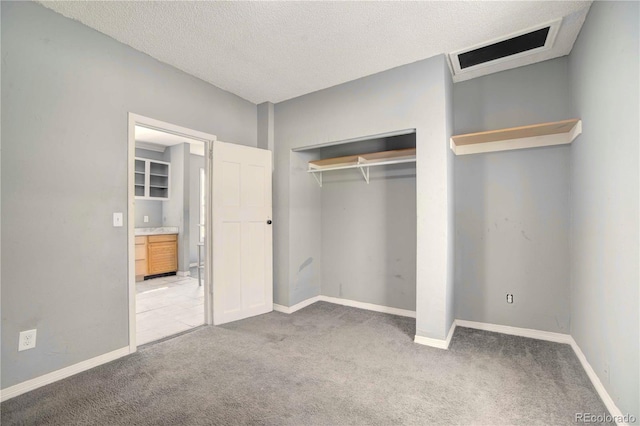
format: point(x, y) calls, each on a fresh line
point(166, 306)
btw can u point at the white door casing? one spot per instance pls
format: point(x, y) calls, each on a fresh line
point(242, 255)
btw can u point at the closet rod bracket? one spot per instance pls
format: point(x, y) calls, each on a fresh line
point(318, 177)
point(365, 173)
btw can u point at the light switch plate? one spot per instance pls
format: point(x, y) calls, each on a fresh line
point(118, 219)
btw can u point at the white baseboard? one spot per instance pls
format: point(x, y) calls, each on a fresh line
point(296, 307)
point(517, 331)
point(604, 395)
point(183, 273)
point(436, 343)
point(557, 338)
point(54, 376)
point(344, 302)
point(369, 306)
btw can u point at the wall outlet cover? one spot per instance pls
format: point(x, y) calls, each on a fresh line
point(27, 340)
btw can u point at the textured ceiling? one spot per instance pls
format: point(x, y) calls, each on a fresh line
point(273, 51)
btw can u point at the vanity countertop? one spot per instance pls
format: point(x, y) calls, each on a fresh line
point(161, 230)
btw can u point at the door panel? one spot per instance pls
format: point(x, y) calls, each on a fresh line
point(242, 239)
point(230, 278)
point(253, 242)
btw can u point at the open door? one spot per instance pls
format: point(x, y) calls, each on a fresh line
point(242, 267)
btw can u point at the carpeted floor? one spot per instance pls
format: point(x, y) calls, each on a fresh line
point(323, 365)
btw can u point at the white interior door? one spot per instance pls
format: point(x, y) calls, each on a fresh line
point(242, 266)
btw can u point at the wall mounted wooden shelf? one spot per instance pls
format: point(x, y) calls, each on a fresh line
point(536, 135)
point(361, 162)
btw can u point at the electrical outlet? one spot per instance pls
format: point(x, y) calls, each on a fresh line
point(509, 298)
point(146, 219)
point(27, 340)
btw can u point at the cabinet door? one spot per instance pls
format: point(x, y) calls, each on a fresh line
point(163, 257)
point(141, 257)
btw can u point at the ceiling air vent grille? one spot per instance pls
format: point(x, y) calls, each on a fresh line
point(514, 46)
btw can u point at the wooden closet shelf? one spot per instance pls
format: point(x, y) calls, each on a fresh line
point(532, 136)
point(369, 159)
point(361, 162)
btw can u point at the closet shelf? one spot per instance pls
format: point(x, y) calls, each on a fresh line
point(536, 135)
point(361, 162)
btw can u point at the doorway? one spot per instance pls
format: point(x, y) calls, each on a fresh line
point(169, 280)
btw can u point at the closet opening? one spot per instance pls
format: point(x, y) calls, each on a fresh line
point(367, 204)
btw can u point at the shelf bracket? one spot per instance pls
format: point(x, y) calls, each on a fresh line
point(365, 174)
point(318, 177)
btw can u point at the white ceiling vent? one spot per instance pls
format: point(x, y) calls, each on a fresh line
point(498, 53)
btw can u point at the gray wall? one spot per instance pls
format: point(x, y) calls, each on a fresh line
point(266, 131)
point(604, 201)
point(512, 208)
point(175, 211)
point(369, 230)
point(152, 155)
point(512, 220)
point(196, 163)
point(411, 96)
point(150, 208)
point(64, 172)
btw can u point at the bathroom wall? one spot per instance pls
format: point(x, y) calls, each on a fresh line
point(150, 208)
point(196, 162)
point(175, 211)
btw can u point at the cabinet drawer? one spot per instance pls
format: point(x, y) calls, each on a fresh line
point(141, 240)
point(162, 238)
point(141, 267)
point(141, 252)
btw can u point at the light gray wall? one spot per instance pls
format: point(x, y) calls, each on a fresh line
point(266, 131)
point(512, 208)
point(451, 204)
point(196, 163)
point(604, 201)
point(152, 155)
point(533, 94)
point(64, 173)
point(512, 220)
point(411, 96)
point(369, 230)
point(150, 208)
point(175, 211)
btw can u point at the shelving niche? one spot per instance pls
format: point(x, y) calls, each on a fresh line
point(151, 179)
point(361, 162)
point(536, 135)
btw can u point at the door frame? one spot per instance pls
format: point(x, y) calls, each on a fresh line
point(207, 139)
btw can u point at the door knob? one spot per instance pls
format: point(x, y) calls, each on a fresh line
point(269, 222)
